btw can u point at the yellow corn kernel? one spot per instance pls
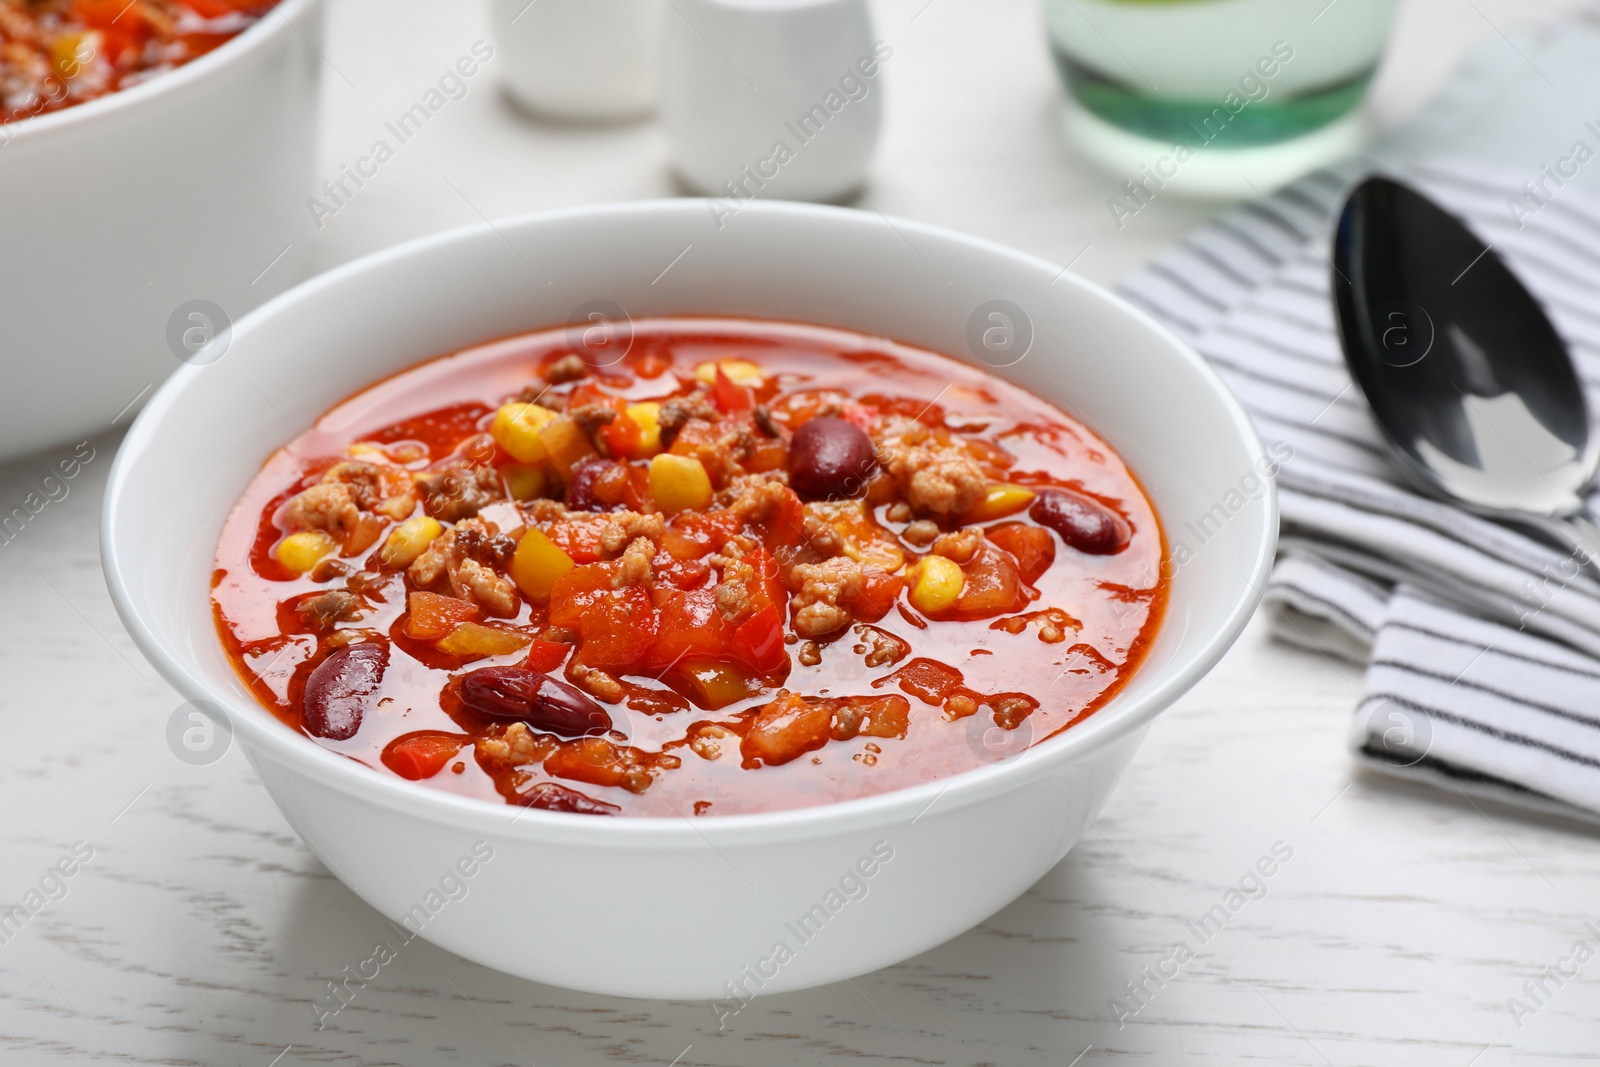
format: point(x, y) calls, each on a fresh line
point(409, 540)
point(679, 482)
point(475, 639)
point(524, 482)
point(300, 551)
point(739, 371)
point(537, 564)
point(647, 414)
point(516, 429)
point(937, 584)
point(1001, 500)
point(70, 51)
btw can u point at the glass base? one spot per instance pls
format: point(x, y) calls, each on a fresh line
point(1275, 117)
point(1210, 172)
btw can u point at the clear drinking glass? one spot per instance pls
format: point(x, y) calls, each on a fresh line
point(1239, 89)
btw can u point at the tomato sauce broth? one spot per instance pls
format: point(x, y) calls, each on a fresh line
point(965, 688)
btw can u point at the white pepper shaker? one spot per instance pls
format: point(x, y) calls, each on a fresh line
point(580, 60)
point(776, 99)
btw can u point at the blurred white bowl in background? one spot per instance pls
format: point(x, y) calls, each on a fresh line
point(132, 220)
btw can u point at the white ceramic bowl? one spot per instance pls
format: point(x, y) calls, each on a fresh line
point(669, 907)
point(121, 210)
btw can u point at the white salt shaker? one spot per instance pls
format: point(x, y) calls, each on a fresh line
point(581, 60)
point(776, 99)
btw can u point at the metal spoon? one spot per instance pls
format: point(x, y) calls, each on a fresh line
point(1468, 380)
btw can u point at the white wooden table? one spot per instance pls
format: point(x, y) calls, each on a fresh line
point(200, 930)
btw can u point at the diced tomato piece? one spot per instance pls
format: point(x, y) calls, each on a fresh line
point(588, 393)
point(623, 437)
point(787, 729)
point(878, 594)
point(652, 364)
point(993, 586)
point(767, 454)
point(770, 589)
point(590, 759)
point(617, 626)
point(690, 626)
point(928, 680)
point(683, 573)
point(422, 755)
point(787, 526)
point(693, 534)
point(759, 640)
point(579, 539)
point(885, 716)
point(431, 616)
point(547, 656)
point(1033, 546)
point(859, 415)
point(728, 396)
point(211, 9)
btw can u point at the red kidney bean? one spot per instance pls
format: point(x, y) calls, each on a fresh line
point(1082, 523)
point(552, 797)
point(338, 690)
point(830, 458)
point(534, 698)
point(586, 477)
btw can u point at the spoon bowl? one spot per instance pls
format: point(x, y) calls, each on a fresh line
point(1475, 392)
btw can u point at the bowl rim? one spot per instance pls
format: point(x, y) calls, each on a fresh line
point(252, 38)
point(263, 734)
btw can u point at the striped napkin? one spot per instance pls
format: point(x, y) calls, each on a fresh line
point(1481, 643)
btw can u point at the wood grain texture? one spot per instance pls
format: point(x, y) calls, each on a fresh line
point(201, 930)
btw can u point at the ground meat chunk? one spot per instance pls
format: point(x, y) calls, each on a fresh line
point(543, 512)
point(754, 498)
point(517, 746)
point(589, 418)
point(634, 568)
point(568, 368)
point(472, 580)
point(734, 593)
point(385, 490)
point(475, 541)
point(937, 478)
point(921, 533)
point(435, 559)
point(596, 683)
point(459, 490)
point(739, 582)
point(676, 413)
point(762, 416)
point(823, 536)
point(334, 606)
point(625, 527)
point(467, 555)
point(737, 443)
point(820, 589)
point(880, 647)
point(959, 546)
point(327, 506)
